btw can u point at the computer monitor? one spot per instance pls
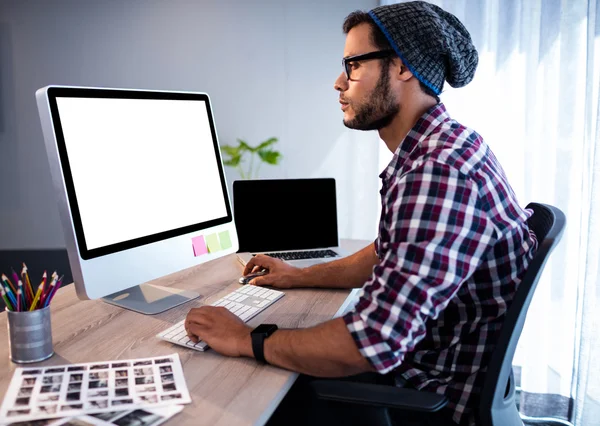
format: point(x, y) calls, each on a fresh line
point(140, 187)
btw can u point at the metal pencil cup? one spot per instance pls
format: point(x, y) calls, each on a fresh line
point(30, 335)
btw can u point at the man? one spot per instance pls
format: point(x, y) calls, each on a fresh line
point(453, 243)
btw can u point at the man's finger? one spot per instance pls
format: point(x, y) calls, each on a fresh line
point(260, 281)
point(260, 261)
point(199, 317)
point(193, 337)
point(194, 331)
point(249, 267)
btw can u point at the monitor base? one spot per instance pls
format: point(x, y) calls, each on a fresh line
point(150, 299)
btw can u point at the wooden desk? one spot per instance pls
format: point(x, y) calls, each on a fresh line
point(224, 391)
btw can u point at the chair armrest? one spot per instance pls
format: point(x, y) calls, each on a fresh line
point(378, 395)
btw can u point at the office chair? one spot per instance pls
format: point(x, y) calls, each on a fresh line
point(497, 405)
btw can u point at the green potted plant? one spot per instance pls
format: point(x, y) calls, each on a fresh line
point(235, 156)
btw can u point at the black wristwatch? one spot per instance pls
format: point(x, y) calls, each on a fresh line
point(259, 334)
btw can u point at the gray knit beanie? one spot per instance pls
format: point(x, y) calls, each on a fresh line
point(431, 42)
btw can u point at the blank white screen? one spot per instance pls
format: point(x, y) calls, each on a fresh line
point(140, 166)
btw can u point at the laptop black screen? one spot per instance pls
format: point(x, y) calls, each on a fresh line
point(287, 214)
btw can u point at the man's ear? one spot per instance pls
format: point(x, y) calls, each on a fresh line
point(404, 73)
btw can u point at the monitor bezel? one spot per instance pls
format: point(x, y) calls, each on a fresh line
point(88, 254)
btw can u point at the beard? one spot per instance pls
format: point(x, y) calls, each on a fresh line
point(379, 111)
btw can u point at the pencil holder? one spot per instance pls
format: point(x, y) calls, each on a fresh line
point(30, 335)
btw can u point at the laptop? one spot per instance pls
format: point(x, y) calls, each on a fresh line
point(291, 219)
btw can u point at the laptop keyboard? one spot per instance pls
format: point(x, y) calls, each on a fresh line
point(298, 255)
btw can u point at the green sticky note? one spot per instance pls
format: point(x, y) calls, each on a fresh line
point(225, 240)
point(212, 242)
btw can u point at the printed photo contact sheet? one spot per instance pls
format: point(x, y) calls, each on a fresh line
point(71, 390)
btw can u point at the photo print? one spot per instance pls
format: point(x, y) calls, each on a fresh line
point(25, 392)
point(119, 383)
point(143, 371)
point(119, 365)
point(97, 393)
point(102, 403)
point(77, 368)
point(99, 367)
point(29, 381)
point(48, 397)
point(131, 388)
point(165, 369)
point(48, 380)
point(50, 388)
point(146, 380)
point(76, 378)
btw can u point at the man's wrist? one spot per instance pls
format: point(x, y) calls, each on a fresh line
point(299, 279)
point(245, 345)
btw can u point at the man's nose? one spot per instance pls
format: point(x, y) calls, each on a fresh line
point(341, 83)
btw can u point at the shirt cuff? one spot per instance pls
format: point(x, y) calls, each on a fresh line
point(370, 344)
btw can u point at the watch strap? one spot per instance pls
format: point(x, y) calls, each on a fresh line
point(258, 347)
point(258, 336)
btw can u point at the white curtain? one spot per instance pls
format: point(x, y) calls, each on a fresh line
point(535, 99)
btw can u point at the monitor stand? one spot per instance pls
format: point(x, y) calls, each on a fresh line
point(150, 299)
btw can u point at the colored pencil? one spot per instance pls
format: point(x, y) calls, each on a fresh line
point(7, 301)
point(19, 300)
point(28, 287)
point(16, 278)
point(21, 296)
point(8, 283)
point(11, 296)
point(38, 294)
point(48, 289)
point(56, 287)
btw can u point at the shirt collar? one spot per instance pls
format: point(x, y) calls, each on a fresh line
point(424, 126)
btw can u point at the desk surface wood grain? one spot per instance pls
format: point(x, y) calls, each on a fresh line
point(224, 391)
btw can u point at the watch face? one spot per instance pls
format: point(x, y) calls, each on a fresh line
point(265, 329)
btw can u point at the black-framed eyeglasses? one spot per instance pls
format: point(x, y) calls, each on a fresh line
point(348, 61)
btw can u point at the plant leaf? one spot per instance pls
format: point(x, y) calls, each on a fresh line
point(231, 150)
point(266, 143)
point(233, 161)
point(269, 156)
point(243, 145)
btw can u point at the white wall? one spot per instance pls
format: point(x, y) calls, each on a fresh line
point(269, 66)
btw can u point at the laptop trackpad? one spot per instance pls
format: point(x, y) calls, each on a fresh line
point(305, 263)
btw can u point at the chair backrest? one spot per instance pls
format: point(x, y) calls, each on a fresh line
point(497, 405)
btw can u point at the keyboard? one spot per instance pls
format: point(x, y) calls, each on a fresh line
point(298, 255)
point(245, 302)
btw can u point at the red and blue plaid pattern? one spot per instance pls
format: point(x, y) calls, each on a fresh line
point(453, 246)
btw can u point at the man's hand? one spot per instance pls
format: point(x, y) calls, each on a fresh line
point(222, 330)
point(279, 275)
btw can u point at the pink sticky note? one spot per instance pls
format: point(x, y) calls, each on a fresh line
point(199, 245)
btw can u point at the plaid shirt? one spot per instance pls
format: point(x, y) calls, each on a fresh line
point(453, 246)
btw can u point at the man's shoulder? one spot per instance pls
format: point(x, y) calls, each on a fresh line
point(452, 144)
